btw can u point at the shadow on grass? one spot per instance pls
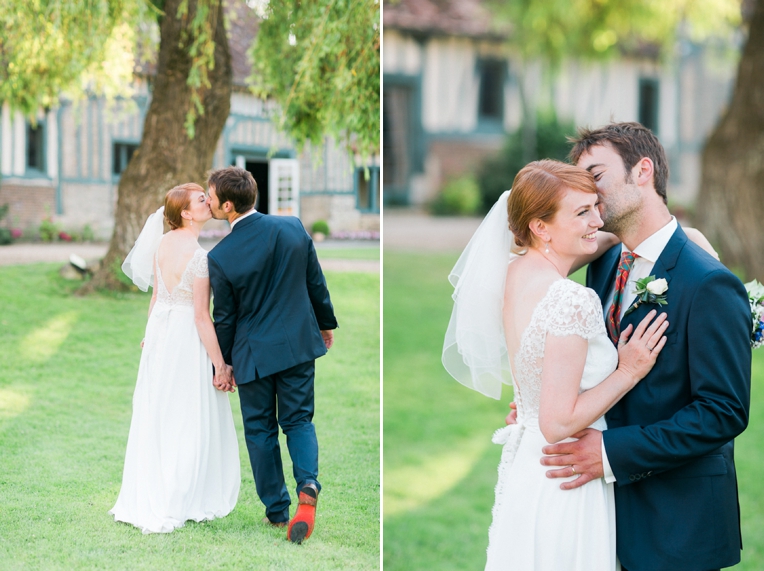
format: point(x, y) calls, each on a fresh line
point(67, 380)
point(449, 532)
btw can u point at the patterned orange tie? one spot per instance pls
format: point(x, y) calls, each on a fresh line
point(614, 315)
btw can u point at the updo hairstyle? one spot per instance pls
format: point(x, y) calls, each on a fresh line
point(537, 191)
point(176, 201)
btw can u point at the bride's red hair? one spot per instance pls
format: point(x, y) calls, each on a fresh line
point(537, 191)
point(177, 200)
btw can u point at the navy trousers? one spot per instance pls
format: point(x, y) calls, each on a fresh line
point(283, 399)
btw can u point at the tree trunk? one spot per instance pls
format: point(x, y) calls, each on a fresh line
point(166, 156)
point(731, 201)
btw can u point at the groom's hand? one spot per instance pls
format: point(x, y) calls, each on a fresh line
point(328, 336)
point(583, 455)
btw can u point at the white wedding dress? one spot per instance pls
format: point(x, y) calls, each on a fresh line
point(182, 459)
point(536, 525)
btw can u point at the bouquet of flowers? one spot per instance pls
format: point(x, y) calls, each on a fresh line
point(756, 299)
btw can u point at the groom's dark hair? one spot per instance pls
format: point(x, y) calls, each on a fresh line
point(632, 141)
point(236, 185)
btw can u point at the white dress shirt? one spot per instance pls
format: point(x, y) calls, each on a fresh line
point(247, 213)
point(648, 252)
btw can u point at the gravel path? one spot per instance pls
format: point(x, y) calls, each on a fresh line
point(16, 254)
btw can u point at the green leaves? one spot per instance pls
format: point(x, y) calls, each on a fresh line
point(54, 48)
point(319, 60)
point(326, 80)
point(555, 29)
point(200, 42)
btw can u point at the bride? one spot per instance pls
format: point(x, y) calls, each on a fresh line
point(182, 459)
point(518, 319)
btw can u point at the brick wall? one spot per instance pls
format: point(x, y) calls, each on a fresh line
point(29, 205)
point(458, 157)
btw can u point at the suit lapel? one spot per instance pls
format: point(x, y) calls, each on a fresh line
point(603, 280)
point(663, 268)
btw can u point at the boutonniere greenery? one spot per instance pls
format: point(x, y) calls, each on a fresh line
point(756, 300)
point(649, 290)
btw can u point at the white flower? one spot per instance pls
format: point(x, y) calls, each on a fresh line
point(657, 287)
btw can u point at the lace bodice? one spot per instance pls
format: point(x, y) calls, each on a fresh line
point(183, 293)
point(567, 308)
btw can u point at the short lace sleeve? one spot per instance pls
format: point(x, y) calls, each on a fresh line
point(572, 309)
point(198, 264)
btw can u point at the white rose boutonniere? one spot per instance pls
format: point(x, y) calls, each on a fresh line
point(657, 287)
point(649, 290)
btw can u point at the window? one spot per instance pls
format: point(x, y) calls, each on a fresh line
point(648, 103)
point(35, 151)
point(491, 98)
point(367, 190)
point(396, 135)
point(123, 152)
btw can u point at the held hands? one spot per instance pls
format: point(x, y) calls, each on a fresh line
point(224, 379)
point(636, 356)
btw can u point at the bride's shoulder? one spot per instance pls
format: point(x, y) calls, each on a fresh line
point(567, 292)
point(570, 308)
point(568, 285)
point(199, 257)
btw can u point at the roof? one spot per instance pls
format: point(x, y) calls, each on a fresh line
point(467, 18)
point(243, 25)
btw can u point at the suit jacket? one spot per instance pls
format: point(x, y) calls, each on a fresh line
point(271, 301)
point(670, 440)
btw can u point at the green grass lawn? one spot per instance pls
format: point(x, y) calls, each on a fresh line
point(67, 372)
point(439, 462)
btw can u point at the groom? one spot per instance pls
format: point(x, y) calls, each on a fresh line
point(669, 444)
point(273, 318)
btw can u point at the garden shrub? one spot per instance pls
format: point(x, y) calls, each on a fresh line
point(496, 174)
point(48, 230)
point(5, 234)
point(320, 226)
point(460, 197)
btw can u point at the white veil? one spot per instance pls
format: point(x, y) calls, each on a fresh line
point(475, 350)
point(139, 264)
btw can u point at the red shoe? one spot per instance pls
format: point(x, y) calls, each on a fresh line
point(303, 521)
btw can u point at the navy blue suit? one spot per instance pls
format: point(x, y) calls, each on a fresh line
point(270, 305)
point(670, 440)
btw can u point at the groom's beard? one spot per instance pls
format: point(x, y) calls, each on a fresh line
point(218, 214)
